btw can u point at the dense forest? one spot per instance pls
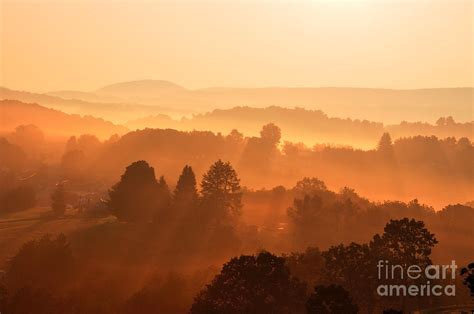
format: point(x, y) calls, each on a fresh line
point(211, 223)
point(436, 171)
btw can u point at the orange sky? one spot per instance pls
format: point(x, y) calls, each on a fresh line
point(81, 44)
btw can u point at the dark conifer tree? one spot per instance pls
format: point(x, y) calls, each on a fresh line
point(186, 191)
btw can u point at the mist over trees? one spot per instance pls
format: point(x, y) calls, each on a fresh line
point(396, 170)
point(339, 276)
point(224, 223)
point(377, 173)
point(309, 126)
point(152, 197)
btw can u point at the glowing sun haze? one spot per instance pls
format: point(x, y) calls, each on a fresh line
point(83, 45)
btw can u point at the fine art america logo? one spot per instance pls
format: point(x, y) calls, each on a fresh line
point(414, 280)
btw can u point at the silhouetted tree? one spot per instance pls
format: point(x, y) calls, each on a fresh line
point(71, 144)
point(441, 121)
point(260, 153)
point(252, 284)
point(220, 189)
point(450, 121)
point(405, 242)
point(352, 267)
point(309, 186)
point(271, 134)
point(58, 199)
point(235, 137)
point(457, 217)
point(185, 203)
point(385, 148)
point(137, 196)
point(29, 137)
point(385, 143)
point(307, 266)
point(88, 143)
point(468, 274)
point(186, 191)
point(46, 263)
point(329, 300)
point(163, 201)
point(306, 216)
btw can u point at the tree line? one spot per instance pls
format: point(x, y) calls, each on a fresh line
point(341, 279)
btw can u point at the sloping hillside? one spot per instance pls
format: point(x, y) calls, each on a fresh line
point(375, 104)
point(114, 109)
point(53, 122)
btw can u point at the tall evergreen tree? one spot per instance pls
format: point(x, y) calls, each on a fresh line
point(385, 148)
point(164, 191)
point(186, 191)
point(385, 143)
point(163, 197)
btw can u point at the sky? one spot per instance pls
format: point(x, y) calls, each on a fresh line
point(85, 44)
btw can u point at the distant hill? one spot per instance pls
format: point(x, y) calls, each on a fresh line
point(160, 121)
point(111, 109)
point(138, 99)
point(384, 105)
point(85, 96)
point(140, 89)
point(53, 122)
point(44, 99)
point(159, 93)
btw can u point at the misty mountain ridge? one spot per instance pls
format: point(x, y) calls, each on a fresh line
point(384, 105)
point(84, 103)
point(54, 122)
point(140, 89)
point(299, 124)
